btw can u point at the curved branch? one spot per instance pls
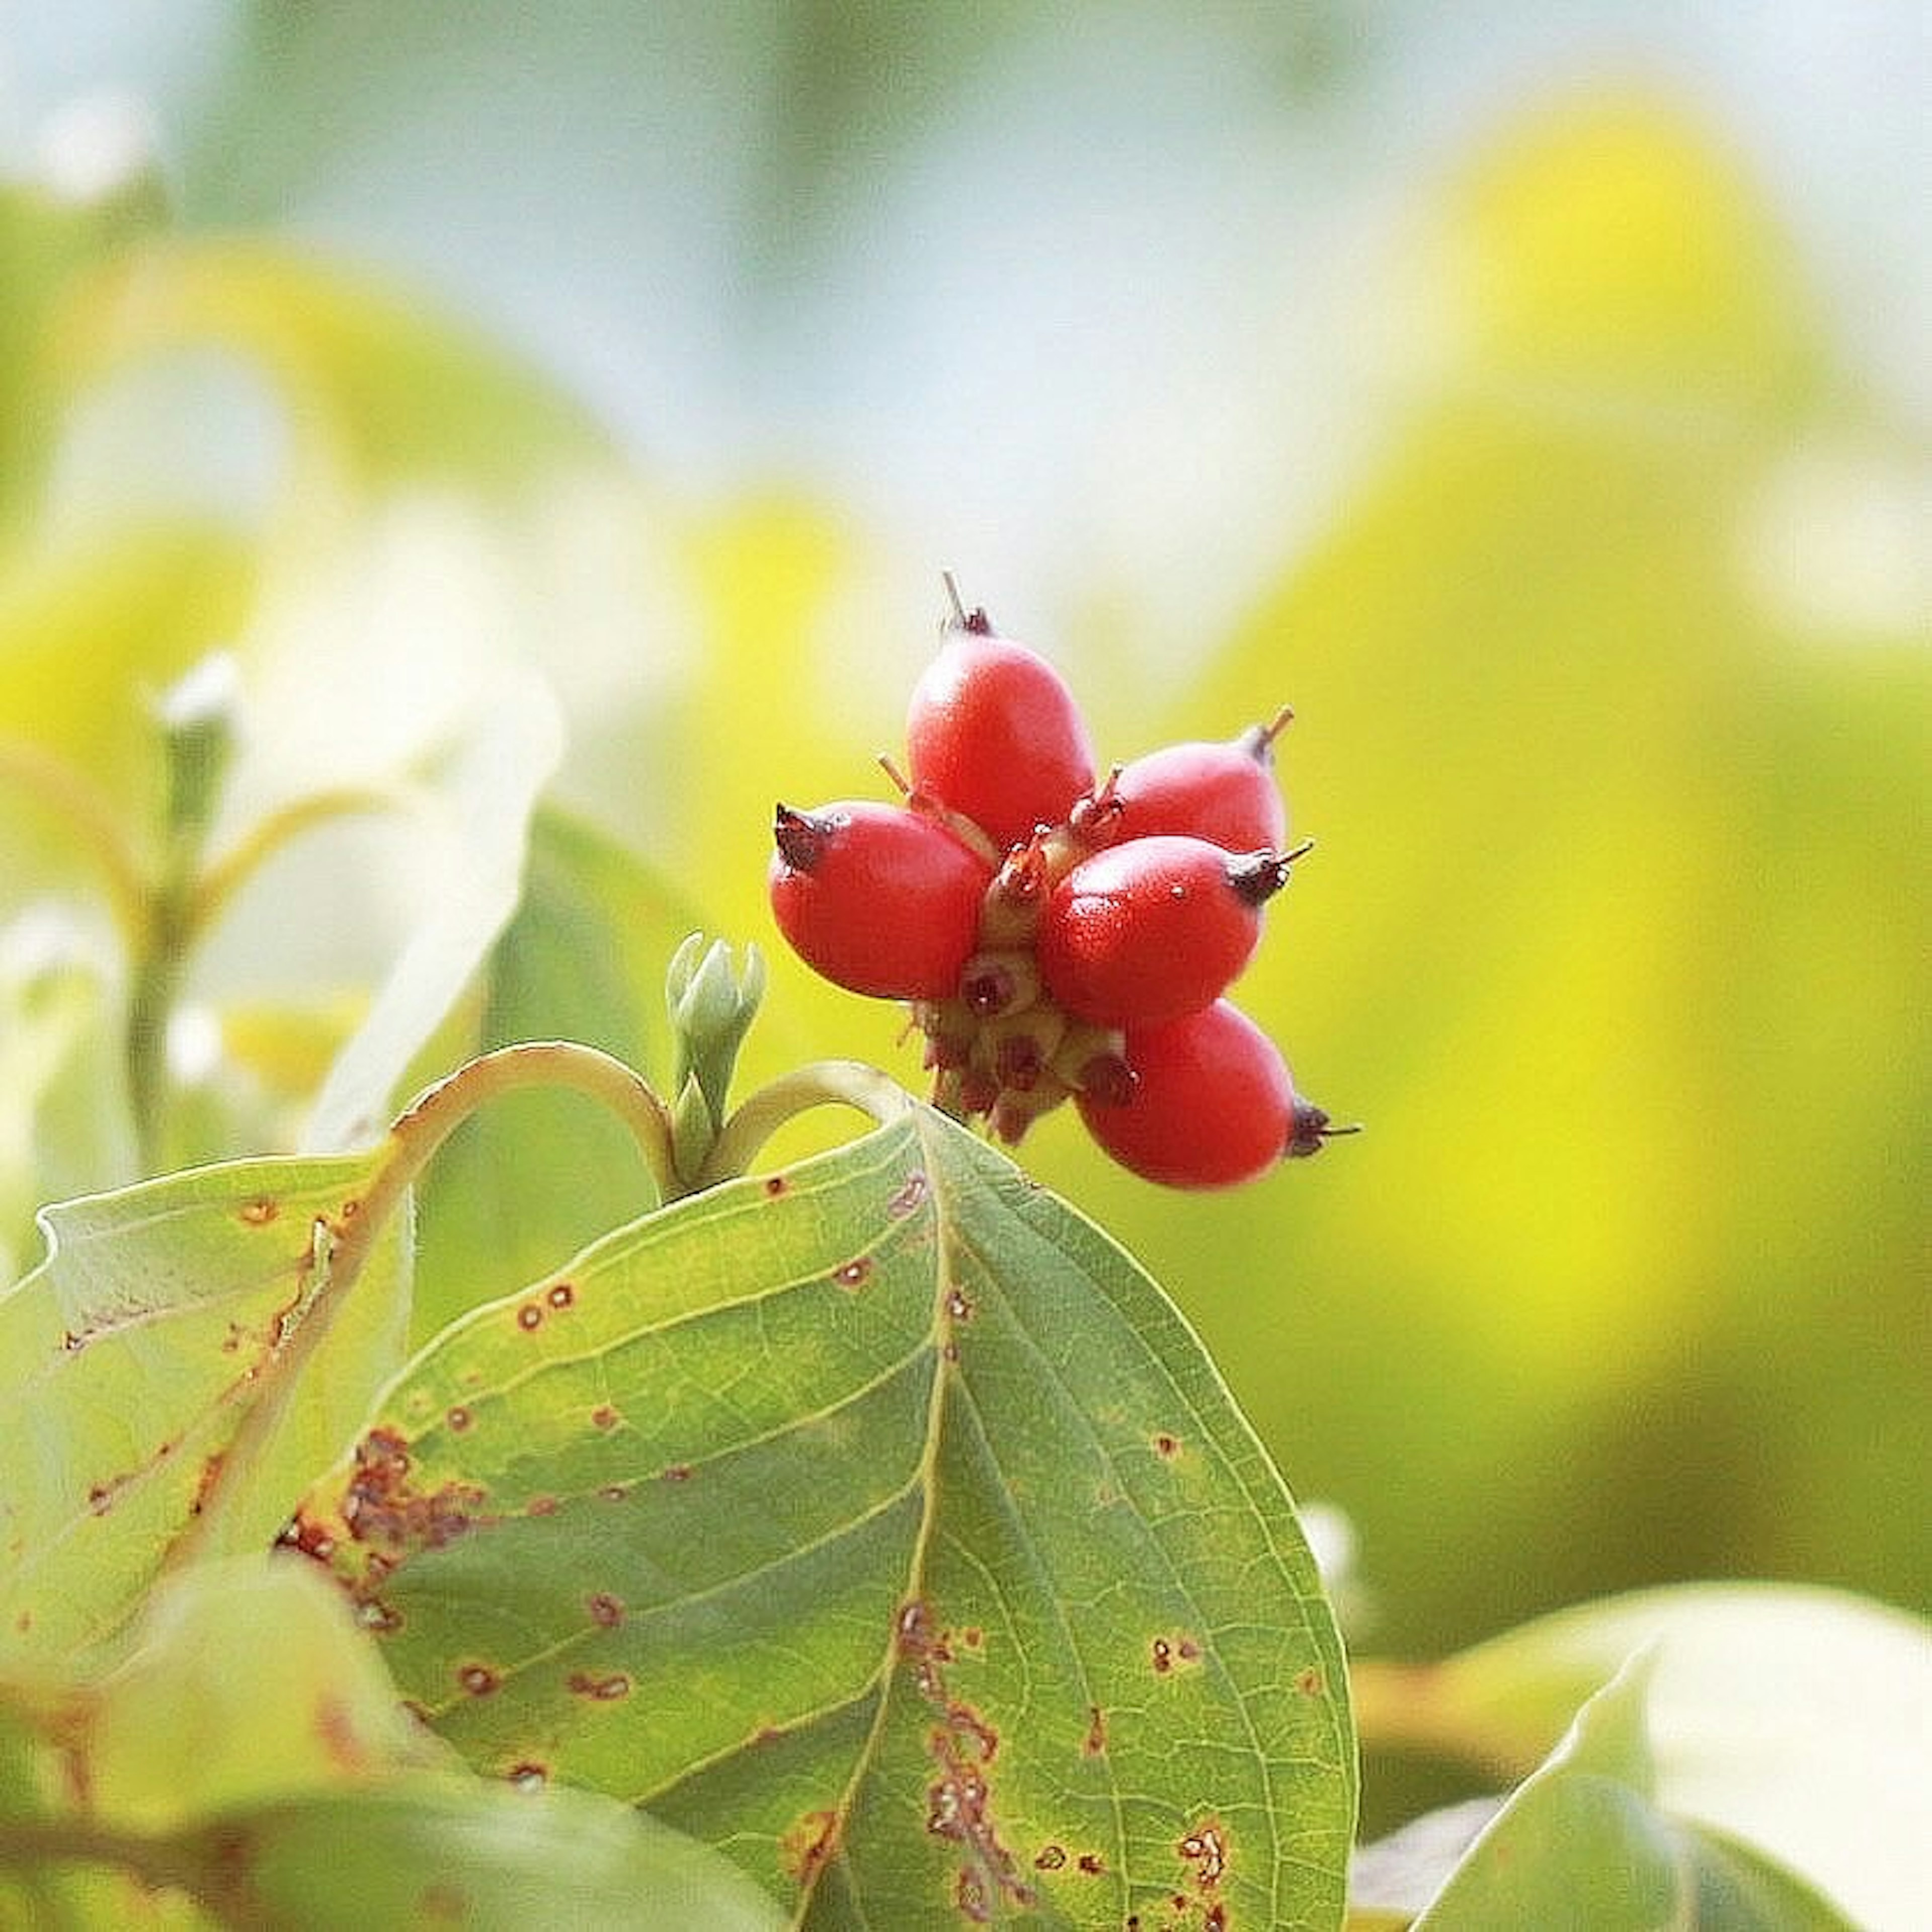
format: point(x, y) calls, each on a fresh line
point(824, 1083)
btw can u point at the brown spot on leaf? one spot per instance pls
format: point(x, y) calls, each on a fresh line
point(530, 1316)
point(913, 1628)
point(970, 1726)
point(204, 1489)
point(614, 1492)
point(853, 1273)
point(909, 1196)
point(459, 1418)
point(385, 1512)
point(1169, 1653)
point(1095, 1741)
point(1312, 1683)
point(1205, 1848)
point(599, 1690)
point(957, 1306)
point(337, 1729)
point(604, 1417)
point(605, 1609)
point(969, 1894)
point(528, 1777)
point(304, 1534)
point(1050, 1857)
point(541, 1506)
point(1167, 1447)
point(374, 1615)
point(677, 1472)
point(477, 1680)
point(441, 1902)
point(807, 1843)
point(776, 1184)
point(925, 1648)
point(561, 1295)
point(1092, 1863)
point(961, 1746)
point(959, 1810)
point(258, 1212)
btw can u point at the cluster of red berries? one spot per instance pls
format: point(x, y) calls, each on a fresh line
point(1058, 938)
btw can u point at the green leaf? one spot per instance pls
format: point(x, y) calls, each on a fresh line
point(419, 1852)
point(880, 1521)
point(250, 1759)
point(176, 1733)
point(63, 1128)
point(472, 871)
point(378, 391)
point(91, 629)
point(48, 242)
point(533, 1178)
point(179, 1366)
point(1580, 1842)
point(1789, 1718)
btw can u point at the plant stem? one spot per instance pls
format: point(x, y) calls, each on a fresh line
point(160, 961)
point(436, 1114)
point(88, 815)
point(824, 1083)
point(344, 1246)
point(221, 881)
point(157, 1863)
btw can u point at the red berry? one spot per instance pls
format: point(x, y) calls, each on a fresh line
point(992, 732)
point(878, 899)
point(1153, 929)
point(1211, 1104)
point(1224, 793)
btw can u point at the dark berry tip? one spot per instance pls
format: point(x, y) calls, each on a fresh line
point(1258, 876)
point(1312, 1129)
point(800, 838)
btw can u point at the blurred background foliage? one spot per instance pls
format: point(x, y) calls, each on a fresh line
point(1530, 400)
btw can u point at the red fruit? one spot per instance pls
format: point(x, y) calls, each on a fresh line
point(1226, 793)
point(1154, 928)
point(1211, 1105)
point(878, 899)
point(993, 733)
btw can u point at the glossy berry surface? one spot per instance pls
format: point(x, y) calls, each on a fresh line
point(879, 899)
point(1152, 929)
point(993, 733)
point(1212, 1103)
point(1224, 793)
point(1054, 940)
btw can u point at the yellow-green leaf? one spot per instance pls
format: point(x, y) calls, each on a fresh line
point(878, 1520)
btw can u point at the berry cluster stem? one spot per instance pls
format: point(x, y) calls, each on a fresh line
point(824, 1083)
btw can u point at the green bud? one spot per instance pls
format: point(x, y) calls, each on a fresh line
point(712, 1006)
point(197, 719)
